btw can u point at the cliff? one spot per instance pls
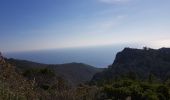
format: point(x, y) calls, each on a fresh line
point(140, 62)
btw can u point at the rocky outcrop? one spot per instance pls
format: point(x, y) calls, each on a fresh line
point(141, 62)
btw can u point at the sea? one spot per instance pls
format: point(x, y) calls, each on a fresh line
point(98, 56)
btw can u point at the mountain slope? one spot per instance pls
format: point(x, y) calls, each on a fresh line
point(75, 73)
point(140, 62)
point(24, 64)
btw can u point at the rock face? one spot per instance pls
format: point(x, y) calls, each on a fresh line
point(142, 62)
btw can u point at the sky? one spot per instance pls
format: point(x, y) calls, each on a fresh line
point(27, 25)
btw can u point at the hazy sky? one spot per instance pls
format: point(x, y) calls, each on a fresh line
point(47, 24)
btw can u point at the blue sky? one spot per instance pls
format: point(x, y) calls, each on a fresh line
point(47, 24)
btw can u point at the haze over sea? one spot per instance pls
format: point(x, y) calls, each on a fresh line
point(99, 56)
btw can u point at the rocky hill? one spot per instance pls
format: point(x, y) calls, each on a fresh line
point(140, 62)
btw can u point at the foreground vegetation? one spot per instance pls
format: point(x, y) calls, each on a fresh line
point(129, 89)
point(43, 84)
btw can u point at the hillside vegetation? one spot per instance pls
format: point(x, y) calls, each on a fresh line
point(38, 84)
point(136, 74)
point(74, 73)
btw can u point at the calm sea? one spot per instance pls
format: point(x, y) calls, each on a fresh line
point(96, 56)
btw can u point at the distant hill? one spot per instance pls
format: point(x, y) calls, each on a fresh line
point(74, 73)
point(140, 63)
